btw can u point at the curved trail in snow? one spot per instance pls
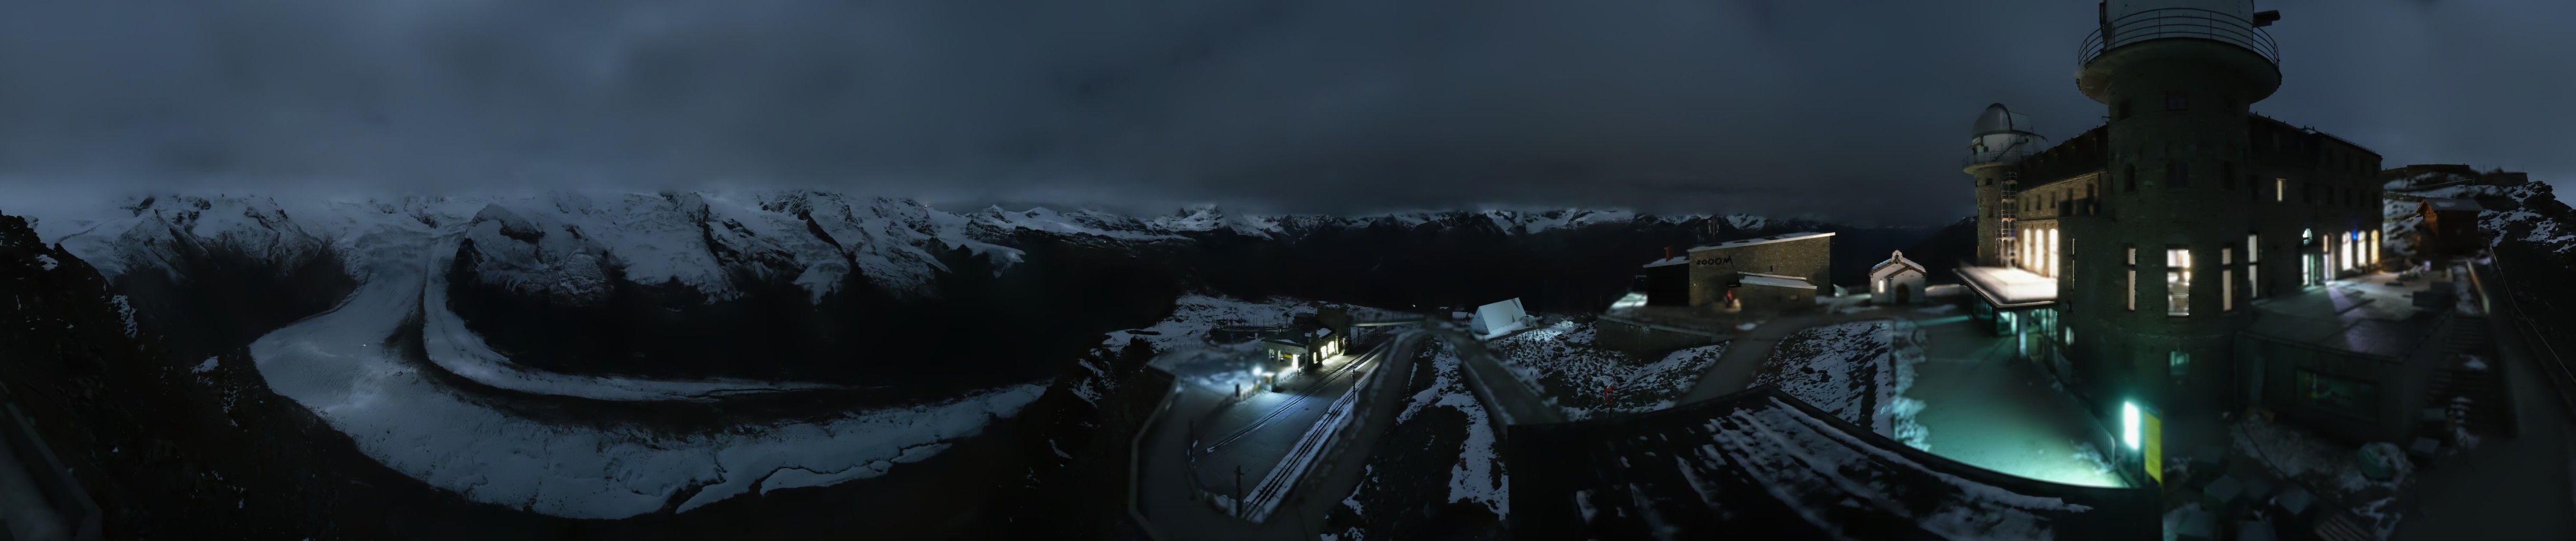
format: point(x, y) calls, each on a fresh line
point(458, 350)
point(337, 365)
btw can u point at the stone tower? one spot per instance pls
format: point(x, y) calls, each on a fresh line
point(2001, 137)
point(2177, 76)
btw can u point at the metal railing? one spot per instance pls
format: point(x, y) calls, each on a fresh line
point(1997, 156)
point(2179, 23)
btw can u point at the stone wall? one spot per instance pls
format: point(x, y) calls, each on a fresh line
point(1712, 270)
point(1646, 340)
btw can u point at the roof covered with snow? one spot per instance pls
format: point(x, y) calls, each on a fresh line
point(1763, 461)
point(2452, 204)
point(2007, 287)
point(1895, 260)
point(1669, 261)
point(1762, 240)
point(1774, 280)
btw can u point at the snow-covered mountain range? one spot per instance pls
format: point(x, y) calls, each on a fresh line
point(570, 245)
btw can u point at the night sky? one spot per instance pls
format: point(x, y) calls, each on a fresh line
point(1842, 109)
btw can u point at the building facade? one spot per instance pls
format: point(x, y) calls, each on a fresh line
point(1717, 269)
point(2161, 226)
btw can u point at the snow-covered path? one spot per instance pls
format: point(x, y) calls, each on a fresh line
point(336, 365)
point(458, 350)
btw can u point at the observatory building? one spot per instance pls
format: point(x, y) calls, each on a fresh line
point(2131, 258)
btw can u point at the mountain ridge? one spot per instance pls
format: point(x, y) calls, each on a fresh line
point(569, 244)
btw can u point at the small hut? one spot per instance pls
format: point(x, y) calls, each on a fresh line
point(1896, 281)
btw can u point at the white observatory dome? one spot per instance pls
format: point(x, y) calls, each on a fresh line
point(2003, 136)
point(1998, 119)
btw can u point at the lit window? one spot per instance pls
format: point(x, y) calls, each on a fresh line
point(2374, 247)
point(2343, 256)
point(2177, 281)
point(2133, 289)
point(2226, 280)
point(2051, 252)
point(2280, 189)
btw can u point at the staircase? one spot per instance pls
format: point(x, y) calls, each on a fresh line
point(2489, 409)
point(2344, 526)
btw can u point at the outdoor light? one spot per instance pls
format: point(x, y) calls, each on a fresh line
point(2129, 424)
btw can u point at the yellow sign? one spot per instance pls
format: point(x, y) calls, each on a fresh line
point(2155, 447)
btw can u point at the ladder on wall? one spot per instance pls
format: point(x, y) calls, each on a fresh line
point(2004, 205)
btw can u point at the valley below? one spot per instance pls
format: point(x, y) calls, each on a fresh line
point(741, 365)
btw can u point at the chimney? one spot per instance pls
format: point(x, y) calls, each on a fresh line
point(1668, 252)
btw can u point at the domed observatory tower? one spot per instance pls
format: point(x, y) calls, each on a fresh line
point(2002, 137)
point(2154, 279)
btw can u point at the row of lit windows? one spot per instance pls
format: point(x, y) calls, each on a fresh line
point(2348, 251)
point(2036, 249)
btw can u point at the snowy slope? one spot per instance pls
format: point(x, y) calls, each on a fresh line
point(333, 365)
point(456, 349)
point(2531, 212)
point(2538, 218)
point(398, 413)
point(1081, 222)
point(1212, 218)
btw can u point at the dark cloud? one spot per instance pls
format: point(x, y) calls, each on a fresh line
point(1842, 108)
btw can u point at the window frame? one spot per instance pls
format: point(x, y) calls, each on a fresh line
point(2133, 277)
point(2227, 278)
point(2178, 280)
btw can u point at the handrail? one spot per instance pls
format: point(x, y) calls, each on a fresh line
point(2179, 23)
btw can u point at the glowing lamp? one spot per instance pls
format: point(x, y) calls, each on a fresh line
point(2129, 424)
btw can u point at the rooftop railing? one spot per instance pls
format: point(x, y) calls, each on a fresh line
point(2164, 23)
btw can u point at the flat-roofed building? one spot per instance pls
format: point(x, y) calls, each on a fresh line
point(1717, 269)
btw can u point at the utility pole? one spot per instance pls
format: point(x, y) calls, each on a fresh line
point(1238, 491)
